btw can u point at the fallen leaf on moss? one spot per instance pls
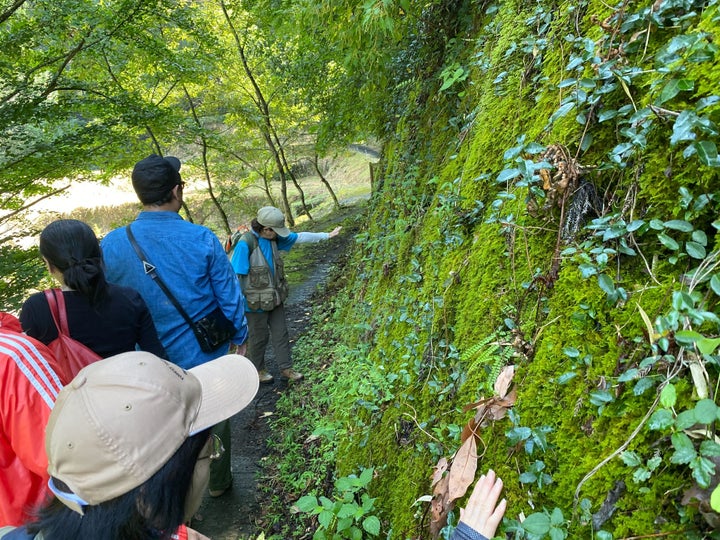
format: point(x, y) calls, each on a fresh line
point(439, 507)
point(502, 383)
point(439, 470)
point(462, 470)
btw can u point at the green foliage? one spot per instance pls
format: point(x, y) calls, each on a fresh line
point(452, 225)
point(349, 514)
point(539, 525)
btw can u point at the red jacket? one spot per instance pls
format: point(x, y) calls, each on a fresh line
point(28, 388)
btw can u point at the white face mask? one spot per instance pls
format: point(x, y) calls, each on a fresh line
point(200, 479)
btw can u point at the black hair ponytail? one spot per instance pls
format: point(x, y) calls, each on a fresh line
point(72, 247)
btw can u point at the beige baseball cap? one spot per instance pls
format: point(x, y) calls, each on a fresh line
point(269, 216)
point(121, 419)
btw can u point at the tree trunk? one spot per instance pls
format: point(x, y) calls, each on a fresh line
point(266, 127)
point(324, 181)
point(206, 167)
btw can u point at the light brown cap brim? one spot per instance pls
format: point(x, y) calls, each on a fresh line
point(229, 384)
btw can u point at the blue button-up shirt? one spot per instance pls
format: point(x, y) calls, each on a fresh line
point(193, 265)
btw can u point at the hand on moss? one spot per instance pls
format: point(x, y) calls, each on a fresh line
point(483, 513)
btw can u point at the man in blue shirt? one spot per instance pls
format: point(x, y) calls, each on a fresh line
point(258, 264)
point(193, 265)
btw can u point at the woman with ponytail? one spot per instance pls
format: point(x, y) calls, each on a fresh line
point(107, 318)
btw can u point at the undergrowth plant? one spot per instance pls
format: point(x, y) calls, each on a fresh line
point(348, 514)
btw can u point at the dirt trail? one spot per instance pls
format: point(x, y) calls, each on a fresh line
point(232, 516)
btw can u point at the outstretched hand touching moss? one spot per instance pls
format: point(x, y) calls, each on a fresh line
point(483, 513)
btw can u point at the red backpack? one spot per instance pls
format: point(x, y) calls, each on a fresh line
point(70, 355)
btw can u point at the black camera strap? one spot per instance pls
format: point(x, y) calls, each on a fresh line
point(151, 271)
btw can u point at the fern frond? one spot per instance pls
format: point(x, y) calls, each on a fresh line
point(475, 349)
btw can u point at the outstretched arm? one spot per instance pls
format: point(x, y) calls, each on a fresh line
point(483, 513)
point(310, 237)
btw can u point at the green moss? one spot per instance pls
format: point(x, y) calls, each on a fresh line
point(434, 278)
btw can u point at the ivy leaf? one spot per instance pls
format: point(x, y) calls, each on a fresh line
point(606, 283)
point(683, 128)
point(641, 474)
point(703, 470)
point(600, 397)
point(562, 111)
point(715, 499)
point(371, 524)
point(606, 114)
point(707, 153)
point(527, 478)
point(668, 242)
point(687, 338)
point(587, 270)
point(684, 449)
point(700, 237)
point(695, 250)
point(668, 396)
point(635, 225)
point(631, 459)
point(557, 518)
point(679, 225)
point(673, 88)
point(706, 411)
point(685, 419)
point(307, 503)
point(642, 386)
point(715, 284)
point(629, 375)
point(709, 449)
point(707, 345)
point(661, 419)
point(586, 142)
point(537, 523)
point(507, 174)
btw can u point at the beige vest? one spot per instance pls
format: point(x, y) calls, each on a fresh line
point(262, 290)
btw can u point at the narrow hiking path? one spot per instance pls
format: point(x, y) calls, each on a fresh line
point(234, 515)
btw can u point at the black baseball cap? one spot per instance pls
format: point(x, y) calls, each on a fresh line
point(154, 176)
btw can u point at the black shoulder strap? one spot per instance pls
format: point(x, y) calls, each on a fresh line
point(150, 270)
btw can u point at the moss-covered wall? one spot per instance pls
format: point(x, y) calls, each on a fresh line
point(452, 256)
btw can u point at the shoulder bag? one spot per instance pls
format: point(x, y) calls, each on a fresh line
point(212, 331)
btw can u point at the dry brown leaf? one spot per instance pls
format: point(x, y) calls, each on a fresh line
point(502, 383)
point(545, 175)
point(475, 405)
point(439, 470)
point(439, 507)
point(462, 470)
point(509, 399)
point(468, 431)
point(497, 412)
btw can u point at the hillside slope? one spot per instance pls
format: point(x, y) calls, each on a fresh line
point(549, 200)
